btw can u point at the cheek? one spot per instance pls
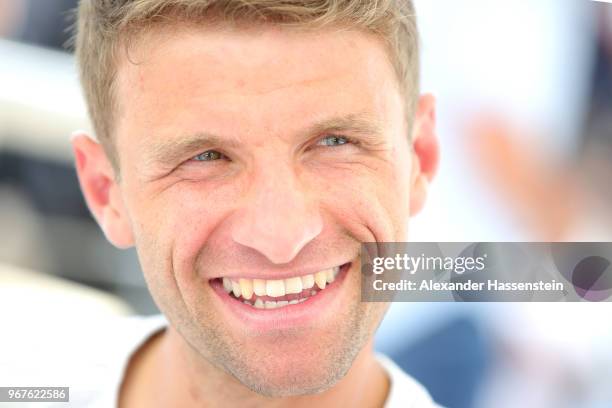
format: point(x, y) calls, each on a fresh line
point(171, 227)
point(194, 213)
point(174, 224)
point(371, 202)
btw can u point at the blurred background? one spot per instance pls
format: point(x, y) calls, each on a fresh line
point(524, 93)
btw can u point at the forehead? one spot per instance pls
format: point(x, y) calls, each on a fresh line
point(250, 80)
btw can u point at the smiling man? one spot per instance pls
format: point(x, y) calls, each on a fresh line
point(246, 149)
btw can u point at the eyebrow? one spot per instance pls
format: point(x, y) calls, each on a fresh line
point(170, 152)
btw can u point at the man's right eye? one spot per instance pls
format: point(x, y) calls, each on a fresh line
point(209, 155)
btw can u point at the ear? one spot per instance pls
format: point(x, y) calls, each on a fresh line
point(101, 190)
point(426, 152)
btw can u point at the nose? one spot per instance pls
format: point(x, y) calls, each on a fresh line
point(278, 218)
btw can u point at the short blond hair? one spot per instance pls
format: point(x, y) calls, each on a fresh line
point(104, 26)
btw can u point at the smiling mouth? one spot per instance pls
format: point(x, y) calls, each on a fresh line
point(279, 293)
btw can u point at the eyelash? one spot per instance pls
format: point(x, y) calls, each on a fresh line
point(347, 140)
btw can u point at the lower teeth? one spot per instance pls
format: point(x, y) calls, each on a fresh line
point(259, 304)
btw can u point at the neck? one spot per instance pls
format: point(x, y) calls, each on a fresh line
point(168, 363)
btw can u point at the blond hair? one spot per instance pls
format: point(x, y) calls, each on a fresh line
point(104, 26)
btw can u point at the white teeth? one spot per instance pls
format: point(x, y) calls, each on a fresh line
point(259, 287)
point(321, 279)
point(275, 288)
point(236, 288)
point(246, 287)
point(259, 304)
point(293, 285)
point(308, 281)
point(227, 285)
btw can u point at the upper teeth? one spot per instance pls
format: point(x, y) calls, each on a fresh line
point(279, 287)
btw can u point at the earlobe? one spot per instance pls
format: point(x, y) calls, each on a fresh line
point(116, 230)
point(101, 191)
point(115, 223)
point(426, 153)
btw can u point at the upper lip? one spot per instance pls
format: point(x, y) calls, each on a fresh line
point(278, 274)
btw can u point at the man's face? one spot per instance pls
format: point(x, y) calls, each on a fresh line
point(267, 155)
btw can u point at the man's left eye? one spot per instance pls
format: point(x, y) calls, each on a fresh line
point(333, 140)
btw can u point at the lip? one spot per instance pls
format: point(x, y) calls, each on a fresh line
point(300, 314)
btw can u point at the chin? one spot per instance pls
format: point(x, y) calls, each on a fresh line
point(296, 363)
point(293, 376)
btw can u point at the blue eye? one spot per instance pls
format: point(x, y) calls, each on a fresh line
point(333, 140)
point(209, 155)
